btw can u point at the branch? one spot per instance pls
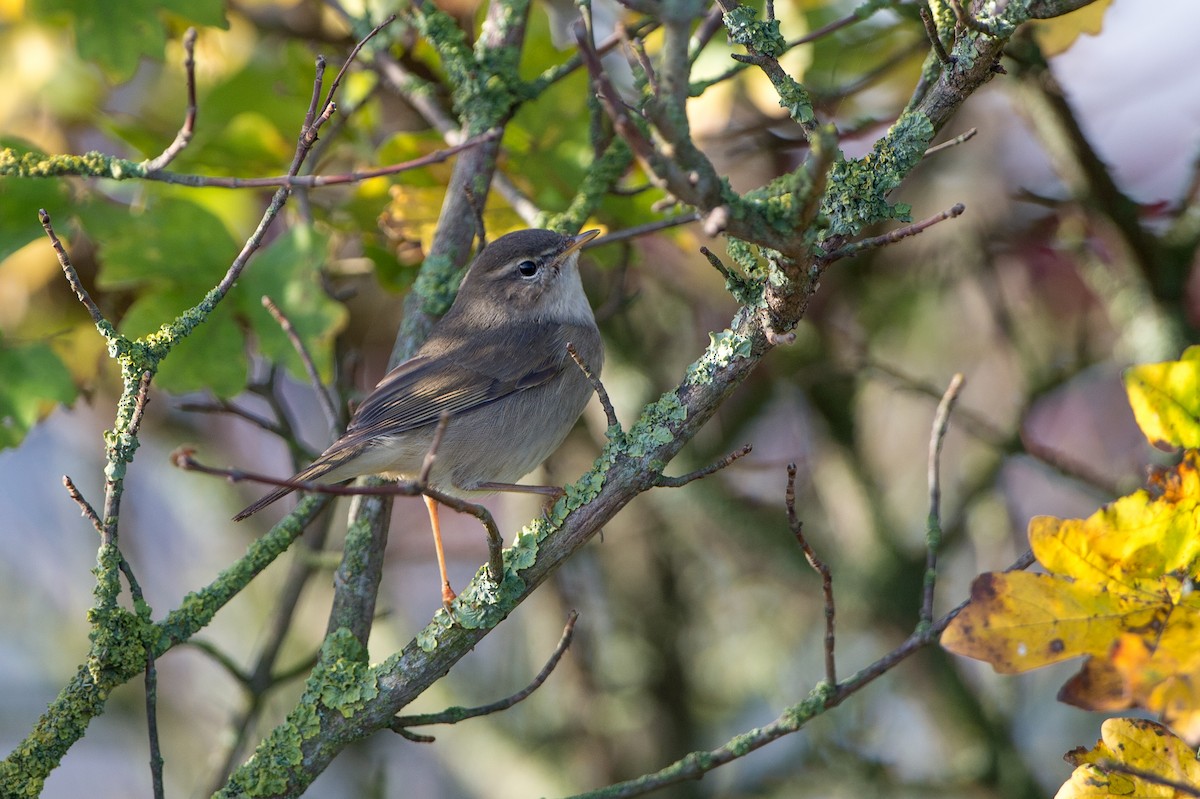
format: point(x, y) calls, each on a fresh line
point(310, 368)
point(933, 527)
point(662, 481)
point(597, 386)
point(820, 567)
point(893, 236)
point(184, 136)
point(400, 724)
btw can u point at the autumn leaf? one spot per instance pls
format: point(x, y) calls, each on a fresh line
point(1166, 400)
point(1133, 757)
point(1119, 590)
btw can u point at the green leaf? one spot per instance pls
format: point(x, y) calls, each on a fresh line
point(20, 199)
point(118, 35)
point(174, 242)
point(212, 358)
point(35, 381)
point(289, 273)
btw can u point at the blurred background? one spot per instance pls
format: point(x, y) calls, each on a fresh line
point(699, 617)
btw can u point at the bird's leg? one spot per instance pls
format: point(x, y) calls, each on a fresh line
point(551, 492)
point(447, 592)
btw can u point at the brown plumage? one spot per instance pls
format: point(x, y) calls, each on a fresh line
point(497, 363)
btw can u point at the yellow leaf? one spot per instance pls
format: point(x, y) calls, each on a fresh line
point(1058, 34)
point(1144, 534)
point(1166, 400)
point(1019, 621)
point(1136, 758)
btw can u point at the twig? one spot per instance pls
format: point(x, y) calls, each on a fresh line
point(87, 511)
point(821, 568)
point(310, 367)
point(337, 80)
point(184, 136)
point(642, 230)
point(662, 481)
point(140, 403)
point(400, 724)
point(893, 236)
point(434, 445)
point(967, 20)
point(73, 280)
point(317, 181)
point(933, 526)
point(225, 406)
point(957, 140)
point(156, 758)
point(183, 458)
point(932, 32)
point(597, 386)
point(794, 718)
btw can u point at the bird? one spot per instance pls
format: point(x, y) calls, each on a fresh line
point(496, 365)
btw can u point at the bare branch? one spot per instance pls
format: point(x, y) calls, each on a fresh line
point(86, 510)
point(186, 130)
point(933, 528)
point(662, 481)
point(323, 397)
point(932, 32)
point(957, 140)
point(81, 293)
point(597, 386)
point(821, 568)
point(400, 724)
point(893, 236)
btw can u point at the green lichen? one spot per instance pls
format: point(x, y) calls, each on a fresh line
point(723, 349)
point(656, 426)
point(437, 283)
point(92, 165)
point(601, 176)
point(858, 189)
point(759, 36)
point(343, 680)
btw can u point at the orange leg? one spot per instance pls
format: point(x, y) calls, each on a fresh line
point(447, 592)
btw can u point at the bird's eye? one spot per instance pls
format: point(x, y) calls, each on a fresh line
point(527, 268)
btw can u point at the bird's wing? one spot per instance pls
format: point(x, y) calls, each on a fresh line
point(456, 376)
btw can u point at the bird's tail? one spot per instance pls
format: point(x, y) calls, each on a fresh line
point(316, 471)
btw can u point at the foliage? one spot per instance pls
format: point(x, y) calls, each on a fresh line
point(179, 257)
point(1118, 589)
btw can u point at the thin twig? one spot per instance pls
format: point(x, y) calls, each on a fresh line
point(893, 236)
point(73, 280)
point(434, 445)
point(821, 568)
point(87, 511)
point(337, 80)
point(400, 724)
point(140, 403)
point(642, 230)
point(662, 481)
point(289, 330)
point(183, 458)
point(597, 386)
point(932, 32)
point(957, 140)
point(184, 136)
point(967, 20)
point(156, 758)
point(697, 764)
point(317, 181)
point(225, 406)
point(933, 526)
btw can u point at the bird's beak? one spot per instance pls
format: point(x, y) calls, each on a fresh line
point(578, 241)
